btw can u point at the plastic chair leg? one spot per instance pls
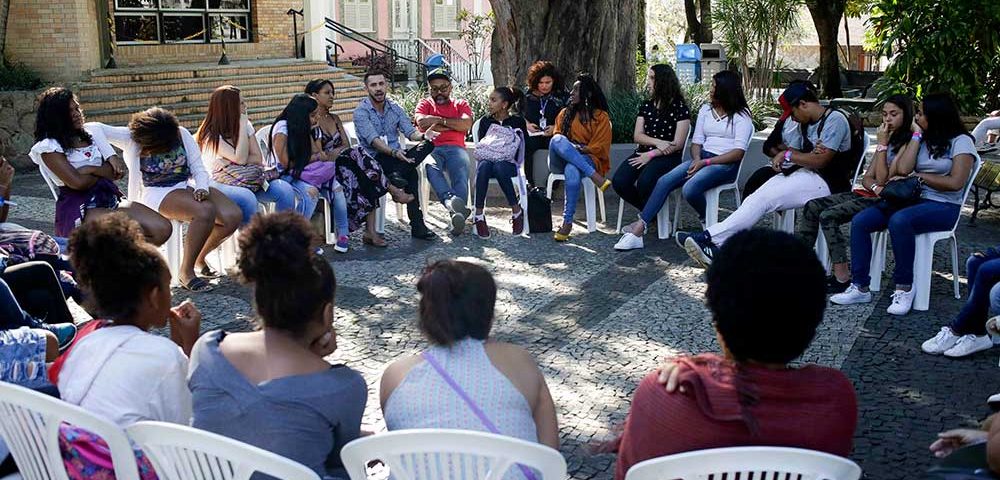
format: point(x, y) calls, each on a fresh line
point(712, 207)
point(380, 215)
point(954, 265)
point(877, 265)
point(922, 264)
point(548, 185)
point(175, 250)
point(425, 189)
point(621, 213)
point(663, 224)
point(589, 191)
point(823, 251)
point(328, 222)
point(600, 203)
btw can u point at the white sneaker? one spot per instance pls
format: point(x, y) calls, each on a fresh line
point(629, 241)
point(941, 342)
point(902, 302)
point(852, 295)
point(969, 344)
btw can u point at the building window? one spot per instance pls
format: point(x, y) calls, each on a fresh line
point(445, 15)
point(359, 15)
point(140, 22)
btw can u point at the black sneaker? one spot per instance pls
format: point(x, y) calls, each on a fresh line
point(422, 232)
point(700, 248)
point(680, 238)
point(834, 286)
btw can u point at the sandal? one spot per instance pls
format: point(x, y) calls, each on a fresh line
point(374, 241)
point(197, 285)
point(208, 272)
point(400, 196)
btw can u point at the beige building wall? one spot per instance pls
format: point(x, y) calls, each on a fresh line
point(59, 40)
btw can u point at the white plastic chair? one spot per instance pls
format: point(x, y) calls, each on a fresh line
point(179, 452)
point(747, 462)
point(589, 191)
point(663, 225)
point(520, 181)
point(784, 220)
point(923, 259)
point(434, 454)
point(29, 425)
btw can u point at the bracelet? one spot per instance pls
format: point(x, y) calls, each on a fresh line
point(788, 155)
point(917, 136)
point(708, 161)
point(881, 148)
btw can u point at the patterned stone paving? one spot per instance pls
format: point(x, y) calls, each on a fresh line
point(598, 320)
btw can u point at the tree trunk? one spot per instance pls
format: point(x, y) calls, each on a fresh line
point(597, 36)
point(705, 8)
point(847, 36)
point(826, 15)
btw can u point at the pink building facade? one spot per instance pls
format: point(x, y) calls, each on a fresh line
point(402, 24)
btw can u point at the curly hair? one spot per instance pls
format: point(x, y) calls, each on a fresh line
point(456, 301)
point(756, 321)
point(155, 130)
point(591, 99)
point(291, 282)
point(544, 68)
point(115, 265)
point(54, 119)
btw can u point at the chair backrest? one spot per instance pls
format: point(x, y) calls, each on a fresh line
point(29, 425)
point(184, 453)
point(475, 130)
point(432, 454)
point(978, 163)
point(352, 134)
point(742, 462)
point(47, 176)
point(264, 141)
point(861, 161)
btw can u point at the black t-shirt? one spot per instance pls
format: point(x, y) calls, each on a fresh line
point(513, 121)
point(662, 125)
point(532, 107)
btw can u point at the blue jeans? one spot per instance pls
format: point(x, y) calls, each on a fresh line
point(984, 294)
point(575, 166)
point(306, 195)
point(904, 225)
point(500, 170)
point(279, 192)
point(454, 161)
point(694, 188)
point(339, 203)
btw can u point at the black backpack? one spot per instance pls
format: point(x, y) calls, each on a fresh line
point(539, 211)
point(839, 172)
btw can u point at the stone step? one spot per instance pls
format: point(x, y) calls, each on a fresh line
point(250, 92)
point(202, 70)
point(89, 90)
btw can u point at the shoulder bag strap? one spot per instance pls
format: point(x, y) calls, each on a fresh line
point(528, 474)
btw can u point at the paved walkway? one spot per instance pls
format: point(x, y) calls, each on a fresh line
point(598, 320)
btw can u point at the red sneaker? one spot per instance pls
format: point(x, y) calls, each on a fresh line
point(517, 223)
point(481, 229)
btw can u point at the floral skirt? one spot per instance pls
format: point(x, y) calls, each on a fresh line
point(363, 183)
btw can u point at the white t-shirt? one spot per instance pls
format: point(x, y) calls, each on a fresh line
point(126, 375)
point(719, 135)
point(89, 156)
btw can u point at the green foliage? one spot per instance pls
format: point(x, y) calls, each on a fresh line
point(624, 107)
point(477, 30)
point(949, 46)
point(641, 70)
point(752, 32)
point(17, 76)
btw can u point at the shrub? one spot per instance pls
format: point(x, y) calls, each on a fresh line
point(16, 76)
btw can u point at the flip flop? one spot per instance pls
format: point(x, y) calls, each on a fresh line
point(197, 285)
point(208, 272)
point(372, 242)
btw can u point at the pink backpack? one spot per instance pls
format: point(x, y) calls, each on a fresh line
point(501, 144)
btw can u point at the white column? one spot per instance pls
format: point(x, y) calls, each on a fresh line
point(478, 9)
point(314, 12)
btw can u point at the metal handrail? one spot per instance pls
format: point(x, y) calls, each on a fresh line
point(295, 29)
point(374, 46)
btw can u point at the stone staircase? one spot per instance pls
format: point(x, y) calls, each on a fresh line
point(112, 96)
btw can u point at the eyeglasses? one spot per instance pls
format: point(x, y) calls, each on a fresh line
point(441, 89)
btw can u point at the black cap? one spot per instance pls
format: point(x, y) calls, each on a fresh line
point(795, 92)
point(439, 73)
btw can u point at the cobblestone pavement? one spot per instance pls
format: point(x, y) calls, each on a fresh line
point(598, 320)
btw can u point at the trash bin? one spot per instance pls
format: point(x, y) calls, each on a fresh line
point(713, 59)
point(688, 63)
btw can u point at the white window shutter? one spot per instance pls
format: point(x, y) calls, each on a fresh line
point(351, 13)
point(366, 16)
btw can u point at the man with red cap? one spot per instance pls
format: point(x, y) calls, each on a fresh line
point(807, 164)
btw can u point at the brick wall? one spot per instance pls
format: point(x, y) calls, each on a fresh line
point(272, 35)
point(59, 40)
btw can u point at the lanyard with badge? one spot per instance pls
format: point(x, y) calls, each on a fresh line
point(542, 122)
